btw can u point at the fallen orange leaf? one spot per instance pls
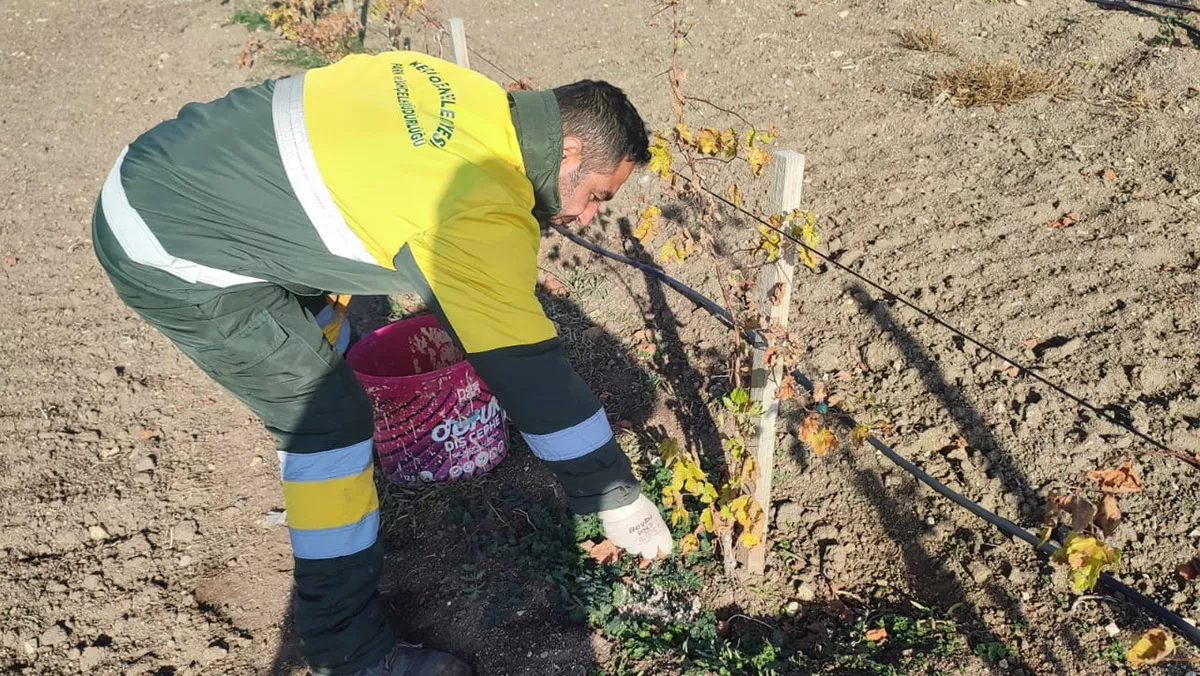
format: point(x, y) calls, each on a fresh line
point(604, 553)
point(1153, 647)
point(877, 635)
point(1120, 479)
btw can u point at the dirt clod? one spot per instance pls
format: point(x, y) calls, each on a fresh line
point(53, 635)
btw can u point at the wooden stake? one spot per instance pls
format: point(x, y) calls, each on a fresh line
point(458, 41)
point(787, 184)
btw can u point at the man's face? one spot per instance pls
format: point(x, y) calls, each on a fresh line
point(581, 191)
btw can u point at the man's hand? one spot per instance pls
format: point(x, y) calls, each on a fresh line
point(638, 528)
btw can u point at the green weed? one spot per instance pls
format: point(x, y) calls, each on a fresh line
point(253, 20)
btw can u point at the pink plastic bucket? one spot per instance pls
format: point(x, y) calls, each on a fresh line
point(435, 420)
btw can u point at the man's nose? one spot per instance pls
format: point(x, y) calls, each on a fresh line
point(588, 214)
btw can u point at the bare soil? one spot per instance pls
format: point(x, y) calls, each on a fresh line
point(136, 496)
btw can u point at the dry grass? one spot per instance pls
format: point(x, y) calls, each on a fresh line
point(990, 84)
point(923, 39)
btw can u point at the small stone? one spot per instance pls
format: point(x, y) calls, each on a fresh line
point(31, 646)
point(1003, 663)
point(91, 582)
point(1066, 349)
point(256, 461)
point(185, 531)
point(793, 607)
point(843, 14)
point(92, 656)
point(979, 571)
point(53, 636)
point(275, 517)
point(97, 533)
point(185, 561)
point(837, 53)
point(788, 513)
point(56, 587)
point(146, 463)
point(1027, 147)
point(806, 593)
point(213, 653)
point(930, 521)
point(73, 654)
point(1112, 629)
point(545, 654)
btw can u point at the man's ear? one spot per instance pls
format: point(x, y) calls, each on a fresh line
point(572, 149)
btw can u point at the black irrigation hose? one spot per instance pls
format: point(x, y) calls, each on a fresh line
point(1004, 525)
point(1168, 3)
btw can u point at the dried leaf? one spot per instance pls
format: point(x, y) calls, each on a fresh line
point(758, 158)
point(734, 194)
point(1153, 647)
point(771, 355)
point(1108, 515)
point(787, 388)
point(1190, 570)
point(877, 635)
point(1031, 343)
point(820, 438)
point(604, 553)
point(1117, 480)
point(647, 226)
point(689, 543)
point(1082, 513)
point(819, 393)
point(10, 260)
point(1110, 174)
point(777, 293)
point(1065, 221)
point(1086, 557)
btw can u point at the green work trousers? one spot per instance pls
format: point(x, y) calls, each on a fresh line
point(262, 343)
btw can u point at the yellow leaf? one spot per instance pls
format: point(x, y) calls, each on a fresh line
point(729, 143)
point(660, 157)
point(859, 435)
point(770, 242)
point(669, 449)
point(1153, 647)
point(709, 141)
point(1086, 557)
point(706, 521)
point(678, 515)
point(749, 540)
point(808, 235)
point(666, 253)
point(689, 543)
point(758, 158)
point(684, 133)
point(824, 441)
point(647, 226)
